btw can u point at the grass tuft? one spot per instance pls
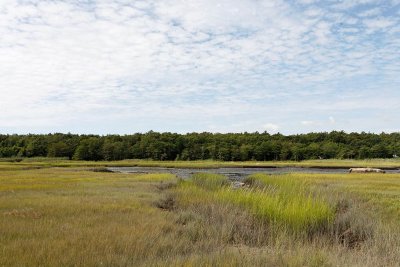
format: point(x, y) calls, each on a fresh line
point(283, 202)
point(209, 181)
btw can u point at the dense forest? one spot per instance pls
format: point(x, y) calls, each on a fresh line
point(196, 146)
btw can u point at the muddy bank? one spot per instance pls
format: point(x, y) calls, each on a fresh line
point(347, 168)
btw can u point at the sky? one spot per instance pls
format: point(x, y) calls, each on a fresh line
point(120, 67)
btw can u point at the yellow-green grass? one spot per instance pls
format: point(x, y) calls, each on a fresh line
point(368, 219)
point(72, 217)
point(76, 217)
point(67, 178)
point(209, 181)
point(331, 163)
point(380, 191)
point(283, 202)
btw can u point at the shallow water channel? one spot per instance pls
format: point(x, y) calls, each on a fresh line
point(234, 174)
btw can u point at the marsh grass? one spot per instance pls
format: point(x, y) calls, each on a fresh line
point(209, 181)
point(282, 202)
point(298, 213)
point(76, 217)
point(323, 217)
point(328, 163)
point(101, 219)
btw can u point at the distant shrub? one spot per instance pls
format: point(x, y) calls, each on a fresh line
point(10, 159)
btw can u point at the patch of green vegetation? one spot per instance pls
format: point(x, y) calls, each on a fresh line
point(209, 181)
point(196, 146)
point(381, 191)
point(285, 203)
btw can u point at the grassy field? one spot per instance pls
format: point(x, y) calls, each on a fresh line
point(68, 215)
point(330, 163)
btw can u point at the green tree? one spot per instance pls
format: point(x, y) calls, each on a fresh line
point(59, 149)
point(89, 149)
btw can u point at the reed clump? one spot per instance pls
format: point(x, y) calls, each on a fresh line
point(209, 181)
point(283, 203)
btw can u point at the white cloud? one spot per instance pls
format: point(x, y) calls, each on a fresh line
point(307, 2)
point(193, 60)
point(371, 12)
point(379, 24)
point(348, 4)
point(307, 123)
point(271, 127)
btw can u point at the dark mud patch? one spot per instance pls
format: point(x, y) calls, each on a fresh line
point(167, 203)
point(101, 169)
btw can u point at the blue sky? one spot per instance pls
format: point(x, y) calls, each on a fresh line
point(199, 65)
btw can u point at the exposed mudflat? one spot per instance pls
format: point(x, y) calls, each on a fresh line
point(232, 173)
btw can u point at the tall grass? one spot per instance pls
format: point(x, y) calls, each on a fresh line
point(77, 217)
point(284, 203)
point(209, 181)
point(298, 213)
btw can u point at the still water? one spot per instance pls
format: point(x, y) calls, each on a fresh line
point(231, 173)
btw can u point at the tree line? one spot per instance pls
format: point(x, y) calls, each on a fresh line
point(201, 146)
